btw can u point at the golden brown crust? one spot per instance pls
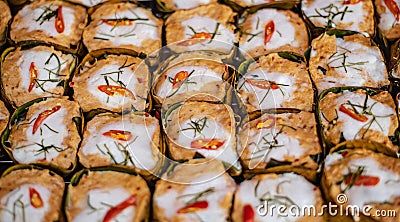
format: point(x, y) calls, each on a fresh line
point(45, 178)
point(5, 17)
point(302, 97)
point(20, 31)
point(100, 121)
point(300, 35)
point(66, 158)
point(329, 105)
point(211, 91)
point(107, 10)
point(108, 180)
point(12, 76)
point(300, 126)
point(237, 212)
point(89, 102)
point(175, 31)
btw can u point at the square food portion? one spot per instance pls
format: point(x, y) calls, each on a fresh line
point(346, 61)
point(207, 27)
point(271, 30)
point(37, 72)
point(274, 81)
point(46, 132)
point(123, 25)
point(55, 22)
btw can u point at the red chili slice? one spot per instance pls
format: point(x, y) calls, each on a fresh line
point(266, 123)
point(362, 180)
point(269, 31)
point(35, 198)
point(33, 72)
point(193, 207)
point(117, 22)
point(42, 116)
point(116, 90)
point(263, 84)
point(114, 211)
point(248, 213)
point(353, 114)
point(196, 39)
point(119, 135)
point(351, 2)
point(208, 144)
point(59, 22)
point(179, 78)
point(394, 8)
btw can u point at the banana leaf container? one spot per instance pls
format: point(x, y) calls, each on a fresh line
point(31, 193)
point(241, 5)
point(33, 70)
point(51, 25)
point(107, 193)
point(45, 132)
point(196, 190)
point(280, 141)
point(195, 76)
point(358, 113)
point(275, 80)
point(116, 80)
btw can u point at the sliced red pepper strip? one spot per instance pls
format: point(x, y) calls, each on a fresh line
point(114, 211)
point(200, 205)
point(116, 90)
point(33, 72)
point(263, 84)
point(362, 180)
point(248, 213)
point(59, 22)
point(119, 135)
point(394, 8)
point(179, 78)
point(269, 31)
point(351, 2)
point(35, 198)
point(117, 22)
point(353, 114)
point(196, 39)
point(266, 123)
point(208, 144)
point(42, 116)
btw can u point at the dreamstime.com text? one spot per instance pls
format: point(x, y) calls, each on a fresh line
point(286, 210)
